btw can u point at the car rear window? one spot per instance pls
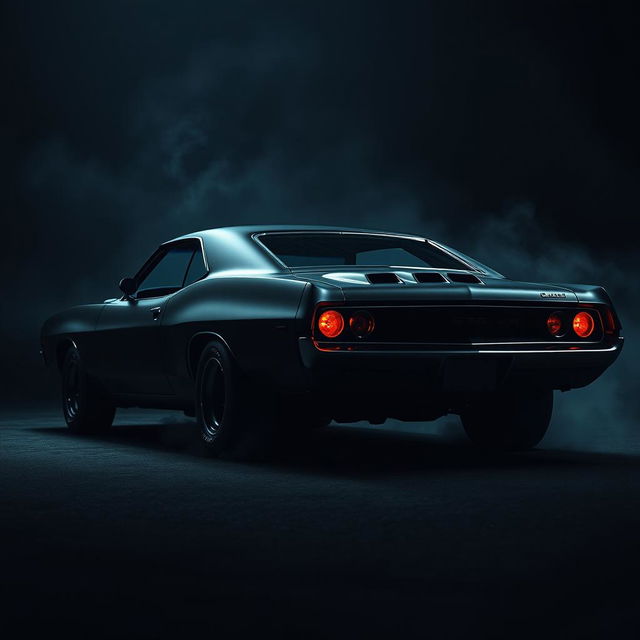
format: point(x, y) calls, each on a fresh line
point(335, 248)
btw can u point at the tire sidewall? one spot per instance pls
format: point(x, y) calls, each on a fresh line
point(72, 358)
point(229, 423)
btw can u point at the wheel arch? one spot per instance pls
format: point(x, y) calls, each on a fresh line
point(196, 346)
point(61, 350)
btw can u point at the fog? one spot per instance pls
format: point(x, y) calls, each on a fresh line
point(464, 126)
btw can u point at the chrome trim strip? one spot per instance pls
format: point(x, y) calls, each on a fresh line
point(608, 349)
point(574, 343)
point(463, 351)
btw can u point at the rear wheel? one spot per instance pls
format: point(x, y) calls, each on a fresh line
point(234, 416)
point(509, 421)
point(85, 408)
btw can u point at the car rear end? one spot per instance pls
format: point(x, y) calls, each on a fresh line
point(410, 346)
point(402, 326)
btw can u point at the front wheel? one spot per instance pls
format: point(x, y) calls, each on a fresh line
point(509, 421)
point(85, 408)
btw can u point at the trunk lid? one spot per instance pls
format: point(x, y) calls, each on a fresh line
point(359, 286)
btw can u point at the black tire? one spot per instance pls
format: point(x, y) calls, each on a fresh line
point(512, 421)
point(85, 408)
point(234, 416)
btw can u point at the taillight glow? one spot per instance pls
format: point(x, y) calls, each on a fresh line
point(331, 323)
point(361, 324)
point(554, 324)
point(583, 324)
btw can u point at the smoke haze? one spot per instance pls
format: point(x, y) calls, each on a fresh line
point(132, 124)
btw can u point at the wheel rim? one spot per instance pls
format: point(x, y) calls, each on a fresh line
point(71, 395)
point(212, 396)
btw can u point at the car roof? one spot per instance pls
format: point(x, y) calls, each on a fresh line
point(233, 249)
point(266, 228)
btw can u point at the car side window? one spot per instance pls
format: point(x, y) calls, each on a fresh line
point(196, 269)
point(168, 275)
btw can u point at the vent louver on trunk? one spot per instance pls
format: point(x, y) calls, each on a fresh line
point(383, 278)
point(464, 277)
point(429, 277)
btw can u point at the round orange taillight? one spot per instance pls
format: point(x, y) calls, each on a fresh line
point(583, 324)
point(554, 324)
point(331, 323)
point(361, 324)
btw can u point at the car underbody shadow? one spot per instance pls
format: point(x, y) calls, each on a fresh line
point(347, 450)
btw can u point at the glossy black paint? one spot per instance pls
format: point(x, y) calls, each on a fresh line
point(143, 351)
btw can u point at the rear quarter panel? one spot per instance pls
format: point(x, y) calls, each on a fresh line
point(255, 316)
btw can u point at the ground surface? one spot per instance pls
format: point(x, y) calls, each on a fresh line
point(353, 532)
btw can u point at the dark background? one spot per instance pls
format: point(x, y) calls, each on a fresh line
point(507, 129)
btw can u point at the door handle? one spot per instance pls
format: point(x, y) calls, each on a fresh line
point(155, 312)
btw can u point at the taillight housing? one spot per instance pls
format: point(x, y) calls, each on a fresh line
point(583, 324)
point(361, 324)
point(330, 323)
point(345, 324)
point(554, 324)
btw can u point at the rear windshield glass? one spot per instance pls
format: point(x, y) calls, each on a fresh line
point(328, 249)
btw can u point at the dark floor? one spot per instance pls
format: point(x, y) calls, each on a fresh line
point(351, 532)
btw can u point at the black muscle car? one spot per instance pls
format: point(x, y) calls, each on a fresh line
point(255, 328)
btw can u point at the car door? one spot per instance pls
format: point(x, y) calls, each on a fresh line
point(129, 329)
